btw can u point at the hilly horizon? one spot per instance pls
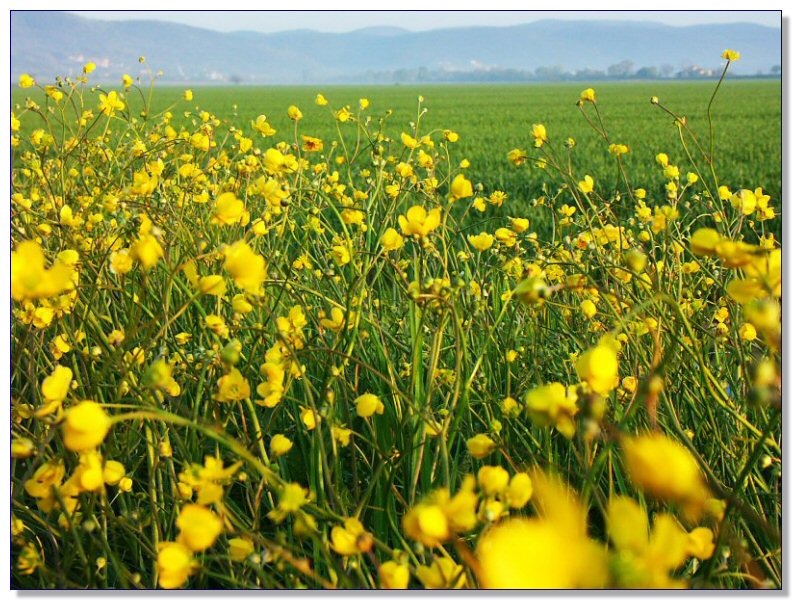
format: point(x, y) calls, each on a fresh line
point(50, 43)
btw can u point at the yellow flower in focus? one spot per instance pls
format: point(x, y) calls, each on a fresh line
point(85, 426)
point(418, 222)
point(233, 387)
point(481, 445)
point(199, 527)
point(461, 187)
point(110, 103)
point(391, 240)
point(482, 242)
point(175, 564)
point(731, 55)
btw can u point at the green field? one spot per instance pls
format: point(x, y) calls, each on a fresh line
point(258, 364)
point(492, 119)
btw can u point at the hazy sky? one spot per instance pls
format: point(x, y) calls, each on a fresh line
point(338, 21)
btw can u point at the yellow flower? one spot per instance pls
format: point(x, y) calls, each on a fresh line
point(312, 144)
point(26, 81)
point(428, 524)
point(588, 95)
point(309, 417)
point(493, 480)
point(517, 157)
point(745, 201)
point(22, 447)
point(700, 543)
point(247, 267)
point(555, 405)
point(704, 241)
point(461, 187)
point(443, 574)
point(481, 446)
point(30, 277)
point(664, 468)
point(544, 552)
point(113, 472)
point(291, 499)
point(321, 100)
point(645, 558)
point(482, 241)
point(280, 444)
point(271, 389)
point(731, 55)
point(391, 240)
point(588, 308)
point(228, 209)
point(233, 387)
point(295, 114)
point(240, 548)
point(394, 576)
point(85, 426)
point(409, 141)
point(188, 95)
point(147, 251)
point(175, 564)
point(520, 490)
point(539, 134)
point(110, 103)
point(368, 404)
point(54, 389)
point(418, 222)
point(46, 477)
point(587, 185)
point(599, 367)
point(351, 538)
point(212, 285)
point(199, 527)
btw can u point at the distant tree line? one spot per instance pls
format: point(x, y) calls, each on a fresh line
point(624, 70)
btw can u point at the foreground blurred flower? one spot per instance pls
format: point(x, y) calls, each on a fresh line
point(665, 469)
point(552, 550)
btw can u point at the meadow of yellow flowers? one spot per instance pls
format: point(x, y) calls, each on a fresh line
point(249, 358)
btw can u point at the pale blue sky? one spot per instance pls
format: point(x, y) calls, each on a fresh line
point(338, 21)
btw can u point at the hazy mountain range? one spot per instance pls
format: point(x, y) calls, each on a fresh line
point(51, 43)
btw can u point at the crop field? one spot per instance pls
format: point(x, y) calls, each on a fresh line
point(396, 337)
